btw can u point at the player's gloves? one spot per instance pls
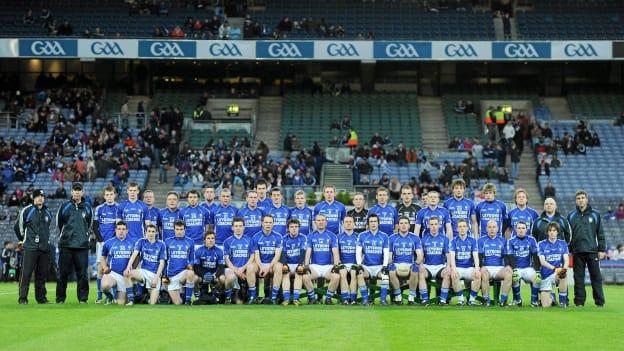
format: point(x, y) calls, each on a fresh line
point(515, 276)
point(337, 267)
point(384, 270)
point(285, 269)
point(561, 272)
point(538, 278)
point(208, 278)
point(301, 269)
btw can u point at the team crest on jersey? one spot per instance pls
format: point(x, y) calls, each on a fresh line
point(591, 220)
point(84, 215)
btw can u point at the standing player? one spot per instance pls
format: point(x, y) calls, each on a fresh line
point(490, 210)
point(433, 210)
point(179, 272)
point(333, 211)
point(407, 208)
point(152, 253)
point(494, 262)
point(134, 213)
point(464, 263)
point(302, 213)
point(550, 214)
point(209, 265)
point(239, 261)
point(115, 256)
point(373, 254)
point(460, 207)
point(196, 218)
point(167, 216)
point(104, 229)
point(404, 246)
point(278, 211)
point(209, 199)
point(264, 202)
point(359, 213)
point(435, 251)
point(322, 256)
point(553, 255)
point(223, 217)
point(293, 258)
point(347, 245)
point(251, 214)
point(388, 215)
point(522, 250)
point(267, 246)
point(522, 213)
point(152, 211)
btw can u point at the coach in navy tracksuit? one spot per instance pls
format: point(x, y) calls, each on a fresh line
point(74, 219)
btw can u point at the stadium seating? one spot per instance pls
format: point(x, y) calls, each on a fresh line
point(595, 103)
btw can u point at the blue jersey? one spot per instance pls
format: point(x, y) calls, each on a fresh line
point(464, 250)
point(166, 218)
point(280, 218)
point(404, 247)
point(152, 214)
point(528, 216)
point(426, 213)
point(266, 244)
point(435, 248)
point(238, 250)
point(322, 245)
point(493, 250)
point(211, 208)
point(150, 253)
point(209, 258)
point(223, 217)
point(373, 246)
point(388, 217)
point(118, 253)
point(106, 217)
point(522, 249)
point(265, 205)
point(180, 253)
point(487, 211)
point(135, 215)
point(460, 209)
point(347, 243)
point(294, 248)
point(304, 215)
point(553, 254)
point(196, 219)
point(252, 219)
point(334, 212)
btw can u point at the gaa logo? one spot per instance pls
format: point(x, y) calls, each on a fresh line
point(460, 50)
point(284, 50)
point(401, 50)
point(580, 50)
point(47, 48)
point(231, 50)
point(521, 51)
point(106, 48)
point(344, 50)
point(164, 49)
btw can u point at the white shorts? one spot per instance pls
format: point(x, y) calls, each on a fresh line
point(120, 281)
point(403, 266)
point(98, 251)
point(147, 279)
point(373, 271)
point(348, 266)
point(547, 283)
point(465, 273)
point(292, 267)
point(527, 274)
point(321, 270)
point(434, 269)
point(174, 282)
point(493, 270)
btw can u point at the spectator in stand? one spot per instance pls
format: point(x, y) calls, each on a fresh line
point(346, 122)
point(224, 31)
point(619, 255)
point(619, 213)
point(595, 140)
point(549, 190)
point(45, 17)
point(28, 17)
point(515, 160)
point(284, 26)
point(177, 32)
point(460, 106)
point(454, 144)
point(98, 33)
point(412, 156)
point(376, 139)
point(509, 132)
point(619, 121)
point(401, 156)
point(65, 29)
point(394, 188)
point(609, 214)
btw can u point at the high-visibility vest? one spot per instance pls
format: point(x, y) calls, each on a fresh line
point(500, 117)
point(488, 118)
point(353, 139)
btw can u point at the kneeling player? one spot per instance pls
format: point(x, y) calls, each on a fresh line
point(553, 256)
point(494, 262)
point(293, 269)
point(522, 250)
point(267, 246)
point(435, 250)
point(347, 245)
point(403, 246)
point(464, 263)
point(116, 253)
point(373, 254)
point(179, 272)
point(152, 254)
point(239, 260)
point(209, 266)
point(322, 258)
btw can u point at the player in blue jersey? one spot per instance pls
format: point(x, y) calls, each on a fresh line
point(463, 262)
point(195, 217)
point(460, 207)
point(302, 213)
point(152, 211)
point(494, 261)
point(115, 255)
point(278, 211)
point(223, 217)
point(522, 250)
point(490, 209)
point(251, 214)
point(358, 212)
point(152, 253)
point(406, 255)
point(435, 251)
point(388, 215)
point(167, 216)
point(209, 266)
point(347, 245)
point(264, 202)
point(373, 255)
point(104, 229)
point(430, 211)
point(323, 258)
point(293, 268)
point(267, 246)
point(333, 211)
point(239, 262)
point(553, 255)
point(179, 272)
point(209, 199)
point(134, 212)
point(522, 213)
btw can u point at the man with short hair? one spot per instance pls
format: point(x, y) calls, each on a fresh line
point(404, 247)
point(494, 262)
point(168, 215)
point(433, 210)
point(152, 253)
point(490, 210)
point(116, 254)
point(406, 208)
point(460, 207)
point(152, 211)
point(522, 213)
point(373, 254)
point(223, 218)
point(267, 247)
point(553, 256)
point(264, 202)
point(251, 214)
point(104, 229)
point(293, 258)
point(209, 266)
point(209, 199)
point(463, 261)
point(333, 211)
point(196, 218)
point(302, 213)
point(179, 272)
point(322, 258)
point(522, 250)
point(347, 245)
point(359, 213)
point(278, 211)
point(388, 215)
point(134, 212)
point(550, 214)
point(239, 261)
point(435, 252)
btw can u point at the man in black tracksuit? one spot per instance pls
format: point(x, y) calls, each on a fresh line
point(359, 213)
point(33, 231)
point(74, 219)
point(587, 247)
point(550, 214)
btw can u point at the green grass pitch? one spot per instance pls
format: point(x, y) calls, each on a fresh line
point(98, 327)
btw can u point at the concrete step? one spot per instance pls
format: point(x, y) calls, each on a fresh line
point(338, 175)
point(269, 122)
point(527, 179)
point(432, 123)
point(559, 108)
point(160, 190)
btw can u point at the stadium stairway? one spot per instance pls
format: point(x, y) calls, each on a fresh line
point(338, 175)
point(559, 108)
point(269, 122)
point(526, 178)
point(133, 102)
point(160, 190)
point(432, 124)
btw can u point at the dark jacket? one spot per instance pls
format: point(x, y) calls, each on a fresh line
point(74, 222)
point(538, 230)
point(33, 227)
point(587, 233)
